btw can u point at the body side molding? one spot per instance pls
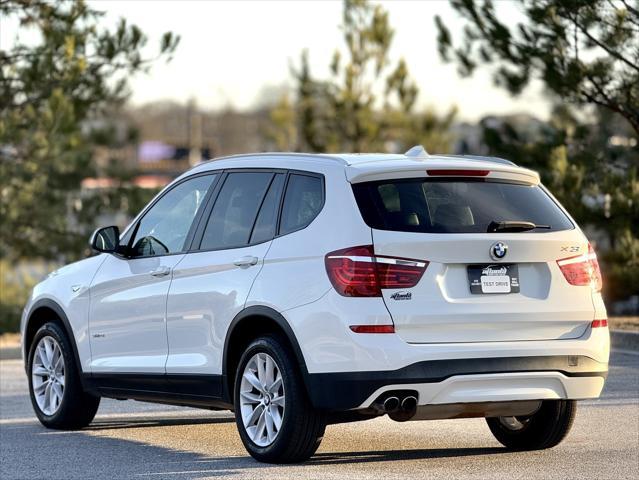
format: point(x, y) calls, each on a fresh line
point(190, 390)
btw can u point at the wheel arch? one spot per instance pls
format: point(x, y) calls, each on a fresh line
point(246, 326)
point(41, 312)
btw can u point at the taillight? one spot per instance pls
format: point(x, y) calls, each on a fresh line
point(358, 272)
point(582, 270)
point(599, 323)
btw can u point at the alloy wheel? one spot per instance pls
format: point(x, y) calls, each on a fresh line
point(262, 399)
point(47, 375)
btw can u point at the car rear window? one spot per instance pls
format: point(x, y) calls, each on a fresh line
point(455, 205)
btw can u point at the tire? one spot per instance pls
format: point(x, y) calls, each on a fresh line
point(73, 409)
point(545, 428)
point(301, 427)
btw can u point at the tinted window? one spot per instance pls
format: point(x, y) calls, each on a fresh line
point(266, 222)
point(235, 209)
point(455, 206)
point(302, 202)
point(164, 228)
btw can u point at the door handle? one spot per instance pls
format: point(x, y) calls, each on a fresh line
point(246, 261)
point(161, 271)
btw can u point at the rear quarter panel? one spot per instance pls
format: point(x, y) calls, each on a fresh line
point(294, 273)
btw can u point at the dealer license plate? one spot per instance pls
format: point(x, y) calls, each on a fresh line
point(493, 278)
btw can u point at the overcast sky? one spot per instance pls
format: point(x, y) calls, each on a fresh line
point(231, 53)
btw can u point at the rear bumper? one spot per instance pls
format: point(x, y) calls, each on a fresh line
point(466, 380)
point(344, 369)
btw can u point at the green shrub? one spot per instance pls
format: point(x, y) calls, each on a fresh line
point(16, 282)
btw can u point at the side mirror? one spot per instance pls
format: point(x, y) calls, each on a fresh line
point(105, 240)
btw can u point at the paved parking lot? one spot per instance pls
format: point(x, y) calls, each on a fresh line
point(136, 440)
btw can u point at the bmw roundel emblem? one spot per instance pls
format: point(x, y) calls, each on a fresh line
point(498, 250)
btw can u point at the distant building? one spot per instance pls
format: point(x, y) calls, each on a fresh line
point(170, 138)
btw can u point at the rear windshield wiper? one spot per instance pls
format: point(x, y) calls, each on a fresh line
point(513, 226)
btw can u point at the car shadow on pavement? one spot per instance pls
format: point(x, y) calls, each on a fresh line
point(328, 458)
point(81, 454)
point(150, 422)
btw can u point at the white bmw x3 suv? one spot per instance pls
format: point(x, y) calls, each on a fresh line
point(302, 290)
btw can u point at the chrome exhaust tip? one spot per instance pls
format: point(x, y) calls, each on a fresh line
point(409, 404)
point(406, 411)
point(391, 404)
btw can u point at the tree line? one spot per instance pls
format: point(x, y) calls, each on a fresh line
point(54, 92)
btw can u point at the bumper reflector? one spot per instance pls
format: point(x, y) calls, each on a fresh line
point(373, 328)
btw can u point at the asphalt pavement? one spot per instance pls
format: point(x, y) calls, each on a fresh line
point(136, 440)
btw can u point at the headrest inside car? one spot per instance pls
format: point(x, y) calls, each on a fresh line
point(451, 214)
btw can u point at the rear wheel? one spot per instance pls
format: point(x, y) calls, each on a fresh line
point(544, 429)
point(54, 382)
point(274, 416)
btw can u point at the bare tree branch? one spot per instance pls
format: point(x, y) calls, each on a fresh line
point(607, 49)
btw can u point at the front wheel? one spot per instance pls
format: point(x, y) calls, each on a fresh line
point(274, 416)
point(546, 428)
point(54, 382)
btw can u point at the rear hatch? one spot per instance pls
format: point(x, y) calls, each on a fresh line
point(492, 244)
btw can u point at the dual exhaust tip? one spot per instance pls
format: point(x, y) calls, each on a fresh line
point(402, 409)
point(393, 404)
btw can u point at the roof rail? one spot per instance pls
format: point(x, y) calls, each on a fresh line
point(241, 156)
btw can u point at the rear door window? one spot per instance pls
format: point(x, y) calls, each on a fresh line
point(455, 205)
point(266, 222)
point(234, 213)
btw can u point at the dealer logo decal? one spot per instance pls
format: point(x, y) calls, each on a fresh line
point(402, 296)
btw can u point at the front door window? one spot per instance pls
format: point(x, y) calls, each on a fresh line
point(165, 226)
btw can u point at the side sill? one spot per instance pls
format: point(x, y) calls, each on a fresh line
point(198, 391)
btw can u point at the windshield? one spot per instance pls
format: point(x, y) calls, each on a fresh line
point(456, 205)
